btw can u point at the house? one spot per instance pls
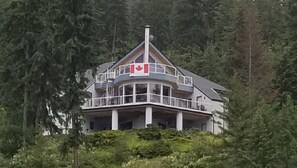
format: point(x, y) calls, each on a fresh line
point(145, 87)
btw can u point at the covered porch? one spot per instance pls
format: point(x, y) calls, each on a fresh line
point(140, 116)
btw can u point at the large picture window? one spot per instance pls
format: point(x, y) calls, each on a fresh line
point(128, 92)
point(166, 95)
point(155, 90)
point(141, 92)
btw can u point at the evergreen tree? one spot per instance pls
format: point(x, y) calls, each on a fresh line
point(75, 43)
point(155, 13)
point(112, 20)
point(286, 80)
point(20, 37)
point(252, 56)
point(193, 22)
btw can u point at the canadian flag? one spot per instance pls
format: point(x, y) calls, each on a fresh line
point(139, 69)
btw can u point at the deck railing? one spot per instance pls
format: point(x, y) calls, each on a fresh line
point(137, 99)
point(153, 68)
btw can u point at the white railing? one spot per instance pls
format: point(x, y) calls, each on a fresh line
point(153, 68)
point(147, 98)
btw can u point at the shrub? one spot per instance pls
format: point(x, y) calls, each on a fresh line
point(102, 138)
point(97, 158)
point(171, 133)
point(44, 154)
point(136, 163)
point(11, 140)
point(206, 144)
point(150, 133)
point(153, 149)
point(121, 151)
point(4, 162)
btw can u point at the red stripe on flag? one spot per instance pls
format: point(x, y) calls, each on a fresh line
point(145, 68)
point(132, 68)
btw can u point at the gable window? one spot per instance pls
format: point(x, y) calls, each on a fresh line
point(151, 59)
point(139, 59)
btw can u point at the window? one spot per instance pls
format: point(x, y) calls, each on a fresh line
point(91, 125)
point(141, 92)
point(128, 92)
point(203, 127)
point(121, 91)
point(166, 95)
point(139, 59)
point(155, 90)
point(151, 59)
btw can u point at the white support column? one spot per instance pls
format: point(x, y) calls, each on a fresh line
point(146, 44)
point(179, 121)
point(148, 115)
point(114, 120)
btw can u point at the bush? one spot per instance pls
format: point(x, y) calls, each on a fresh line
point(150, 133)
point(153, 149)
point(44, 154)
point(4, 162)
point(102, 138)
point(11, 140)
point(96, 159)
point(121, 151)
point(206, 144)
point(136, 163)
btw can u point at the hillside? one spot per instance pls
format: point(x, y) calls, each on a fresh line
point(148, 148)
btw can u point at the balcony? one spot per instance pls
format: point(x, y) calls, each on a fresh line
point(156, 71)
point(155, 99)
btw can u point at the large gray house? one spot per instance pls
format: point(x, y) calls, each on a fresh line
point(145, 87)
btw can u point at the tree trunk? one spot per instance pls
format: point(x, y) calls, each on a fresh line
point(75, 157)
point(114, 40)
point(26, 92)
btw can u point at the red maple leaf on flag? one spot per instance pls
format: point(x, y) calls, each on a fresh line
point(139, 68)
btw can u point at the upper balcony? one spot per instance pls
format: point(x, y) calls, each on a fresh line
point(156, 71)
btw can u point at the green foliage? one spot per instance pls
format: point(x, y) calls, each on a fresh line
point(4, 162)
point(206, 144)
point(153, 149)
point(102, 139)
point(150, 133)
point(10, 140)
point(42, 154)
point(121, 151)
point(147, 163)
point(2, 116)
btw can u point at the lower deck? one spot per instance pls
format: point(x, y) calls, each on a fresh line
point(140, 116)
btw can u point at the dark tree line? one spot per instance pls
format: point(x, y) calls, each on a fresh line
point(47, 46)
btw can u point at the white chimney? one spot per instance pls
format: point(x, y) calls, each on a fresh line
point(146, 44)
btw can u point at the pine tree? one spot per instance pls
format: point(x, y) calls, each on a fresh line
point(286, 80)
point(155, 13)
point(252, 54)
point(193, 22)
point(75, 43)
point(112, 18)
point(21, 36)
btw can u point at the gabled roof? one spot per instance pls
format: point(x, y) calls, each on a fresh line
point(204, 85)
